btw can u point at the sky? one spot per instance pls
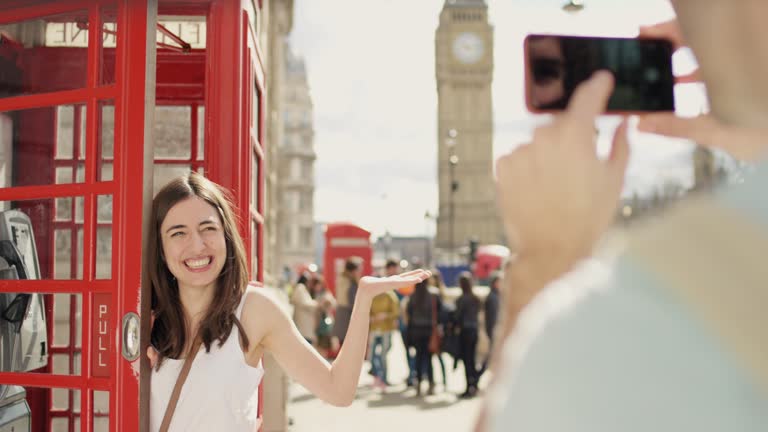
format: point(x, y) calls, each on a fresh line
point(371, 74)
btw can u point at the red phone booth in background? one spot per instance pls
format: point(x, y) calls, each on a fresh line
point(344, 240)
point(85, 86)
point(488, 259)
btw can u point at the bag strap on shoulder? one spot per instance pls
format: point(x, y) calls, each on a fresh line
point(169, 410)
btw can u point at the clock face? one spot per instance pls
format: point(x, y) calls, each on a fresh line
point(468, 47)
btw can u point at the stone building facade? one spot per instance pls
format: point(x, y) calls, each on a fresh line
point(296, 159)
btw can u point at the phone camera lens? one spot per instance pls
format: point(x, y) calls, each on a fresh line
point(652, 75)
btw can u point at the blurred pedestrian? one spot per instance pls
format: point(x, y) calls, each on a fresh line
point(392, 267)
point(304, 309)
point(346, 291)
point(325, 312)
point(385, 311)
point(444, 317)
point(491, 316)
point(422, 315)
point(467, 313)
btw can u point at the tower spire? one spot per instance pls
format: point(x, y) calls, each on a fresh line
point(465, 3)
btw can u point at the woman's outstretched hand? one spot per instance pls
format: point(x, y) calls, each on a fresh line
point(372, 286)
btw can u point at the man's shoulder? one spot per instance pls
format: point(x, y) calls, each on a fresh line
point(606, 347)
point(638, 343)
point(747, 195)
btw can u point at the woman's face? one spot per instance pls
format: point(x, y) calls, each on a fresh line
point(547, 72)
point(318, 287)
point(193, 243)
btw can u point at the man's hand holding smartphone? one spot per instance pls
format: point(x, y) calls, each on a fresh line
point(642, 68)
point(556, 196)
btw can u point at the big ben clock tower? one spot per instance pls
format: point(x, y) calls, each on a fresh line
point(464, 69)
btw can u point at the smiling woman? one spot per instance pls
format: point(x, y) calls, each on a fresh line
point(200, 295)
point(193, 221)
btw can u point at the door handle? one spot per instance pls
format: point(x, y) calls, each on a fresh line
point(131, 342)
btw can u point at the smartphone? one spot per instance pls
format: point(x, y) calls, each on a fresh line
point(556, 64)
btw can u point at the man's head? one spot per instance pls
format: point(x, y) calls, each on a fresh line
point(495, 280)
point(391, 268)
point(730, 41)
point(353, 267)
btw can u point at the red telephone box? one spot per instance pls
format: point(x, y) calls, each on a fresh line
point(344, 240)
point(489, 259)
point(84, 86)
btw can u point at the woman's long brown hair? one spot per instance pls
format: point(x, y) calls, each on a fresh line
point(169, 331)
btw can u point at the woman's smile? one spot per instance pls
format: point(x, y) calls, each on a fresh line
point(199, 264)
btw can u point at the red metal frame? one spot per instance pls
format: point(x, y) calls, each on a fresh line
point(231, 127)
point(122, 384)
point(224, 77)
point(69, 349)
point(130, 118)
point(184, 46)
point(254, 135)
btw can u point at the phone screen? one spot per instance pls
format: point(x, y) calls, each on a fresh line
point(642, 68)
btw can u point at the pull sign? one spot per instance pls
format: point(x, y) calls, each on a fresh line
point(101, 360)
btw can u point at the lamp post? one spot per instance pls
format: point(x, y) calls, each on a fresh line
point(453, 160)
point(427, 255)
point(574, 6)
point(387, 244)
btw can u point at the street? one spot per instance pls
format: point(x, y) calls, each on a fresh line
point(397, 409)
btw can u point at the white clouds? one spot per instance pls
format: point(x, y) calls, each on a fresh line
point(371, 74)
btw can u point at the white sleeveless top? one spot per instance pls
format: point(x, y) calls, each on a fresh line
point(220, 393)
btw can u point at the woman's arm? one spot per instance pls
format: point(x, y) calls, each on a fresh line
point(328, 302)
point(334, 383)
